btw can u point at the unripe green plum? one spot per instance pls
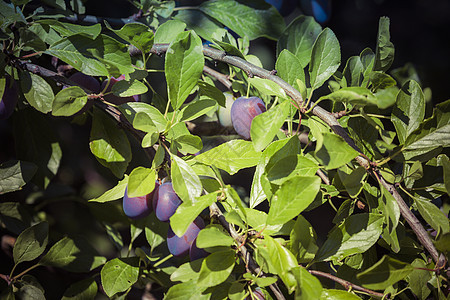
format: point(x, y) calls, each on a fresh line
point(224, 113)
point(243, 111)
point(9, 99)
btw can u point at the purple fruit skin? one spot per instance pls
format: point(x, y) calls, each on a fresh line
point(243, 111)
point(9, 99)
point(195, 252)
point(86, 81)
point(115, 99)
point(165, 202)
point(138, 207)
point(179, 246)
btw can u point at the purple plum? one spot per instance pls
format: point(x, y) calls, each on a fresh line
point(195, 252)
point(9, 99)
point(116, 99)
point(165, 202)
point(138, 207)
point(86, 81)
point(179, 246)
point(243, 111)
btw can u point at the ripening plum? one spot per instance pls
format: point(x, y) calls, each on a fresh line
point(179, 246)
point(165, 202)
point(195, 252)
point(243, 111)
point(9, 99)
point(86, 81)
point(116, 99)
point(138, 207)
point(224, 113)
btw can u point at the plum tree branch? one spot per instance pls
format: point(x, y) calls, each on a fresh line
point(331, 121)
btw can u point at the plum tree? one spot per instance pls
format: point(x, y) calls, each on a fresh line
point(165, 201)
point(116, 99)
point(179, 246)
point(243, 111)
point(138, 207)
point(9, 99)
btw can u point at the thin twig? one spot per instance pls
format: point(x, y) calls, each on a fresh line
point(245, 254)
point(348, 285)
point(222, 78)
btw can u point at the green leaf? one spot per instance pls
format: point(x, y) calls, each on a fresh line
point(409, 110)
point(155, 231)
point(188, 271)
point(29, 291)
point(184, 66)
point(119, 274)
point(213, 236)
point(384, 53)
point(186, 291)
point(329, 294)
point(265, 126)
point(391, 212)
point(445, 163)
point(37, 91)
point(188, 144)
point(143, 122)
point(325, 58)
point(354, 181)
point(36, 142)
point(114, 193)
point(418, 279)
point(210, 91)
point(308, 286)
point(10, 14)
point(109, 144)
point(303, 240)
point(102, 56)
point(168, 31)
point(354, 95)
point(353, 71)
point(199, 22)
point(367, 59)
point(186, 183)
point(125, 88)
point(292, 198)
point(31, 243)
point(197, 108)
point(216, 268)
point(299, 38)
point(381, 80)
point(282, 261)
point(291, 166)
point(432, 133)
point(384, 273)
point(267, 87)
point(14, 174)
point(74, 255)
point(69, 101)
point(334, 152)
point(289, 67)
point(188, 211)
point(69, 29)
point(432, 215)
point(249, 21)
point(141, 182)
point(131, 109)
point(355, 235)
point(231, 156)
point(84, 289)
point(137, 34)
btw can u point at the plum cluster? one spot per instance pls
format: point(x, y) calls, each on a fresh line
point(164, 201)
point(9, 99)
point(243, 111)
